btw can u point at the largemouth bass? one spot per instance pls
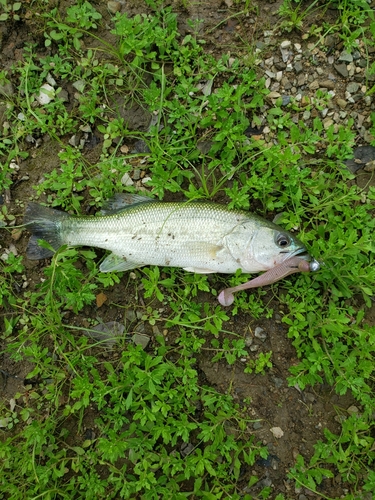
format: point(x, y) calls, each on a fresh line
point(196, 236)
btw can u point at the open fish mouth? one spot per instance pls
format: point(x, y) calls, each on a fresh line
point(301, 261)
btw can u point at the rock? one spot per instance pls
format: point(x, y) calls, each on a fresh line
point(257, 426)
point(79, 85)
point(327, 122)
point(186, 449)
point(113, 7)
point(248, 340)
point(277, 432)
point(285, 54)
point(106, 333)
point(141, 339)
point(327, 84)
point(46, 94)
point(352, 87)
point(298, 67)
point(273, 95)
point(345, 56)
point(362, 156)
point(279, 382)
point(141, 147)
point(342, 103)
point(285, 44)
point(314, 85)
point(74, 140)
point(260, 333)
point(127, 180)
point(341, 69)
point(301, 80)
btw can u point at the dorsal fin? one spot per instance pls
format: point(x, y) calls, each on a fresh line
point(120, 201)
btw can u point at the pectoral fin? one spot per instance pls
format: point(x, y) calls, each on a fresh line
point(117, 263)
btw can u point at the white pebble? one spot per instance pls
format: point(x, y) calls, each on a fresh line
point(277, 432)
point(285, 44)
point(46, 94)
point(126, 180)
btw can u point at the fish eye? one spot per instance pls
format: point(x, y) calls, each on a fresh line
point(283, 240)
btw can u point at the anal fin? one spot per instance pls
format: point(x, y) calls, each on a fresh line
point(199, 270)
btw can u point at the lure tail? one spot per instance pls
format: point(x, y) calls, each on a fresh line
point(44, 224)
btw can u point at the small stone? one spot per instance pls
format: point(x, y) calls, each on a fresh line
point(285, 54)
point(301, 80)
point(13, 249)
point(279, 382)
point(342, 69)
point(314, 85)
point(137, 174)
point(273, 95)
point(248, 340)
point(352, 87)
point(63, 96)
point(306, 115)
point(277, 432)
point(46, 94)
point(127, 180)
point(341, 103)
point(260, 45)
point(257, 425)
point(260, 334)
point(186, 449)
point(79, 85)
point(74, 140)
point(114, 7)
point(141, 339)
point(51, 80)
point(327, 84)
point(298, 67)
point(345, 56)
point(327, 122)
point(285, 44)
point(285, 100)
point(16, 234)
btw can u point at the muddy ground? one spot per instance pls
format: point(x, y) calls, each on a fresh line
point(301, 415)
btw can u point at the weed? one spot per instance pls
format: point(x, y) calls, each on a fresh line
point(10, 10)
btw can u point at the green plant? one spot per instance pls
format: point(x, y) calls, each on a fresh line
point(10, 10)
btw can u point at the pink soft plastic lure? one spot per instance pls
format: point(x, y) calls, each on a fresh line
point(293, 265)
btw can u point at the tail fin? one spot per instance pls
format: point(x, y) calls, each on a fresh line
point(44, 224)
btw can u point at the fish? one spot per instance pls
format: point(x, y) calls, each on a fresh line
point(200, 237)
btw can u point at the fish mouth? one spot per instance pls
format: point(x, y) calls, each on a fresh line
point(301, 260)
point(301, 252)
